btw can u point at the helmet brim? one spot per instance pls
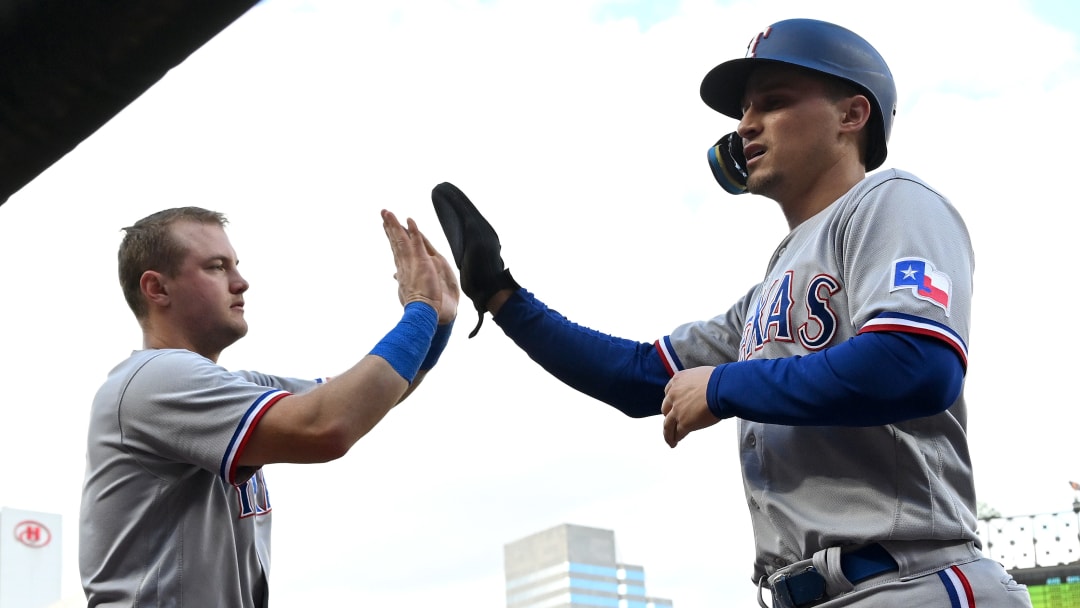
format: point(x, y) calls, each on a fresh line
point(723, 87)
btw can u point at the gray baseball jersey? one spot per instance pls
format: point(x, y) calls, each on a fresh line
point(891, 254)
point(167, 516)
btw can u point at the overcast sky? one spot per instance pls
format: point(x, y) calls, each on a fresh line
point(576, 127)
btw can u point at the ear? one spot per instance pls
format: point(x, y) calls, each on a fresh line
point(152, 286)
point(856, 113)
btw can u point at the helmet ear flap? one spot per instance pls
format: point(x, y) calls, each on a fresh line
point(728, 163)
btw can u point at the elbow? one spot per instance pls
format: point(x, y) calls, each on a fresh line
point(937, 393)
point(634, 408)
point(336, 431)
point(635, 399)
point(641, 412)
point(927, 376)
point(329, 443)
point(940, 383)
point(923, 395)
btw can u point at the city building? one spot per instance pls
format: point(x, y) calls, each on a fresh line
point(30, 556)
point(572, 566)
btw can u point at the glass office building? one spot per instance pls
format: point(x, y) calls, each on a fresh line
point(572, 566)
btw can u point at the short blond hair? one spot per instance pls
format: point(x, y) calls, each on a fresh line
point(149, 244)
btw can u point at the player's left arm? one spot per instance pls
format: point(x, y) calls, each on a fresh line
point(909, 292)
point(872, 379)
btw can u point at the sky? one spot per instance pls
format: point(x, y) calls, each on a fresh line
point(576, 127)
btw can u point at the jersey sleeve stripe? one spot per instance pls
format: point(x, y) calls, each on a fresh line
point(894, 321)
point(667, 355)
point(243, 432)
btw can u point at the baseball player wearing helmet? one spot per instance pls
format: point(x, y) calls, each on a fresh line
point(175, 508)
point(844, 366)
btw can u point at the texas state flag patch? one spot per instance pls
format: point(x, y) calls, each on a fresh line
point(923, 280)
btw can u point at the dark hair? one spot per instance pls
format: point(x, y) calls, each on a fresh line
point(150, 245)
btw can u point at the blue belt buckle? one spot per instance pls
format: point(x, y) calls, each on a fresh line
point(799, 589)
point(807, 587)
point(868, 561)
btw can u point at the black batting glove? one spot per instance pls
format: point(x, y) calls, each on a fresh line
point(475, 246)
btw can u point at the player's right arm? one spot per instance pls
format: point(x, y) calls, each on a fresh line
point(628, 375)
point(324, 423)
point(625, 374)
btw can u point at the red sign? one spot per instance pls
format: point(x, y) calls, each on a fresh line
point(32, 534)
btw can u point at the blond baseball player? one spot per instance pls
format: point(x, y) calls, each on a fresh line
point(175, 506)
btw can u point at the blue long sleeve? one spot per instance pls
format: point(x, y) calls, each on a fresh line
point(872, 379)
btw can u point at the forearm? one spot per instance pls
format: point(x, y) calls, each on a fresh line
point(322, 424)
point(625, 374)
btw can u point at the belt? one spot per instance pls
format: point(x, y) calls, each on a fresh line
point(807, 587)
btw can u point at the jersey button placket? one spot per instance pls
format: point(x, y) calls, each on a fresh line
point(750, 442)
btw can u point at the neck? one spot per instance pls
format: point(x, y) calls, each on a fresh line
point(158, 339)
point(823, 192)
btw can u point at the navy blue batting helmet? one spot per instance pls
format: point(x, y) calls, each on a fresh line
point(819, 46)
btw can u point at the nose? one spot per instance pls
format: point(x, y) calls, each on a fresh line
point(749, 125)
point(239, 284)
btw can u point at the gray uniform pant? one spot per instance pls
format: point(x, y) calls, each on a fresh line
point(980, 583)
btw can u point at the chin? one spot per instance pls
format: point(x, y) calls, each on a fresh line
point(236, 332)
point(761, 184)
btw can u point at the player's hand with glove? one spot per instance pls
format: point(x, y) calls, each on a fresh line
point(475, 246)
point(685, 407)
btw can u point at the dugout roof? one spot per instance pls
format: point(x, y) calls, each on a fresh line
point(69, 66)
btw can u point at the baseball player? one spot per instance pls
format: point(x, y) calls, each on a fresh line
point(175, 506)
point(844, 366)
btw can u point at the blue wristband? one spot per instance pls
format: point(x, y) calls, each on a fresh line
point(438, 343)
point(407, 344)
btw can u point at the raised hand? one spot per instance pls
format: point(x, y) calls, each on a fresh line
point(417, 274)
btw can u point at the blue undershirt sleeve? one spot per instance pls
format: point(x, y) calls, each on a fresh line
point(627, 375)
point(872, 379)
